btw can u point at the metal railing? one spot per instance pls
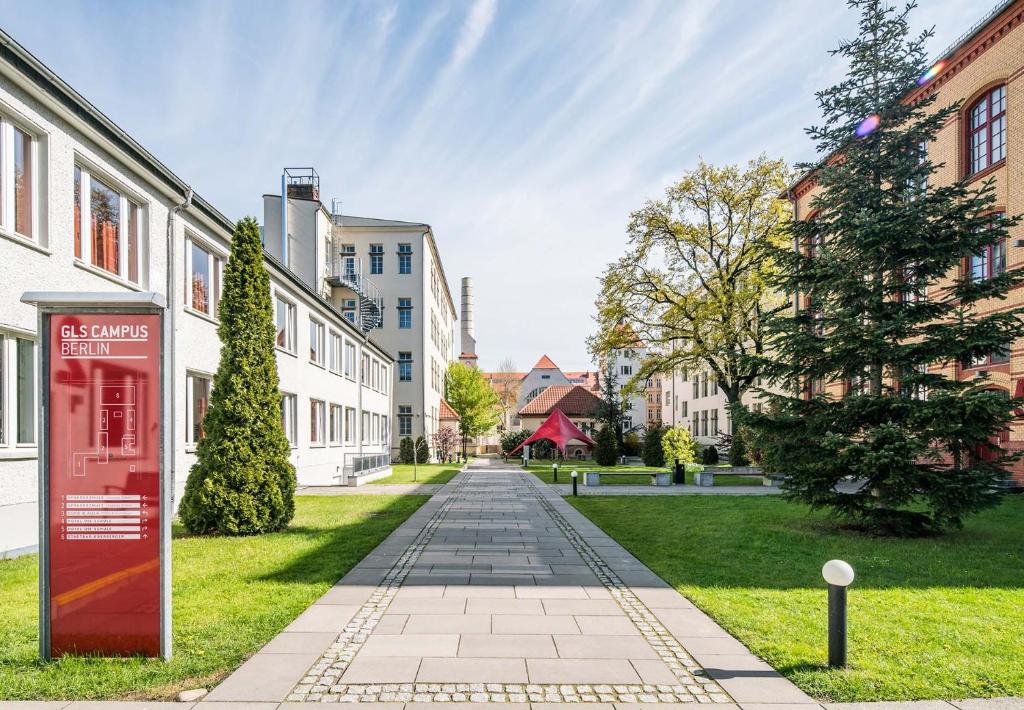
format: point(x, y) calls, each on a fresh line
point(361, 464)
point(347, 272)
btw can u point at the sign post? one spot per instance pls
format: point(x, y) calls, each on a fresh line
point(105, 487)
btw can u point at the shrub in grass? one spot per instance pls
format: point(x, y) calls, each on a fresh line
point(511, 439)
point(607, 450)
point(738, 449)
point(676, 443)
point(709, 455)
point(243, 482)
point(654, 455)
point(405, 451)
point(422, 450)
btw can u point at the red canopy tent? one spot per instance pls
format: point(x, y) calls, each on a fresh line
point(560, 430)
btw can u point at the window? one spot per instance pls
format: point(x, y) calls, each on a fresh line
point(316, 422)
point(316, 342)
point(625, 369)
point(364, 370)
point(17, 183)
point(334, 352)
point(376, 429)
point(986, 131)
point(714, 422)
point(336, 425)
point(405, 313)
point(704, 384)
point(696, 386)
point(999, 357)
point(350, 360)
point(404, 420)
point(350, 425)
point(113, 223)
point(17, 391)
point(288, 412)
point(197, 401)
point(348, 261)
point(376, 259)
point(285, 316)
point(991, 261)
point(385, 378)
point(918, 185)
point(816, 386)
point(204, 279)
point(405, 258)
point(348, 310)
point(364, 433)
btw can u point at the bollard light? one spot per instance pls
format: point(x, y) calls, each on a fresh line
point(575, 491)
point(839, 575)
point(554, 472)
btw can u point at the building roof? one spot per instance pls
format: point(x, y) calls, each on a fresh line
point(545, 363)
point(468, 356)
point(573, 400)
point(350, 220)
point(446, 413)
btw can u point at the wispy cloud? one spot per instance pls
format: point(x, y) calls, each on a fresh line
point(524, 132)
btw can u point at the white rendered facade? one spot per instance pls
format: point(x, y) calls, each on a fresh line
point(626, 363)
point(693, 400)
point(68, 148)
point(400, 261)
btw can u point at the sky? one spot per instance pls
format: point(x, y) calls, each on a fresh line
point(523, 131)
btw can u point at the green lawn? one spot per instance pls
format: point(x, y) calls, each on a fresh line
point(929, 618)
point(543, 472)
point(231, 595)
point(425, 473)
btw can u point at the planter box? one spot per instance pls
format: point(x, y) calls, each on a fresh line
point(704, 478)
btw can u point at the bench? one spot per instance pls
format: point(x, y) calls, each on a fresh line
point(707, 476)
point(658, 478)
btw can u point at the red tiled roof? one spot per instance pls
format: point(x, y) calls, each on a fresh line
point(545, 363)
point(446, 413)
point(573, 400)
point(468, 356)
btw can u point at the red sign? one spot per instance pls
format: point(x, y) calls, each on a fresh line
point(104, 484)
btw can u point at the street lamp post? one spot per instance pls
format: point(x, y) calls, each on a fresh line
point(575, 491)
point(839, 575)
point(554, 472)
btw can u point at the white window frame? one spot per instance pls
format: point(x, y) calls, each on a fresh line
point(335, 424)
point(350, 425)
point(317, 330)
point(190, 376)
point(215, 265)
point(7, 126)
point(350, 360)
point(125, 197)
point(289, 413)
point(317, 422)
point(364, 432)
point(335, 350)
point(9, 394)
point(290, 326)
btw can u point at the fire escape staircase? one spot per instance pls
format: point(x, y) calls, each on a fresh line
point(347, 272)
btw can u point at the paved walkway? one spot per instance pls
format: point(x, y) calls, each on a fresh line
point(376, 489)
point(497, 590)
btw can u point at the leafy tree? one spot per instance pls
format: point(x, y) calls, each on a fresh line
point(676, 443)
point(543, 449)
point(606, 453)
point(511, 439)
point(243, 482)
point(692, 284)
point(885, 307)
point(631, 445)
point(654, 454)
point(446, 443)
point(610, 411)
point(422, 450)
point(472, 398)
point(406, 451)
point(506, 385)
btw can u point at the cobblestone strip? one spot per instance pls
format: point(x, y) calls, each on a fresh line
point(328, 669)
point(686, 670)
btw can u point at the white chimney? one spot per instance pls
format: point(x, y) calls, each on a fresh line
point(468, 332)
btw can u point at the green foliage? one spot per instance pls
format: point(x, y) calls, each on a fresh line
point(511, 439)
point(470, 395)
point(542, 449)
point(884, 317)
point(738, 449)
point(422, 450)
point(676, 443)
point(653, 453)
point(606, 453)
point(611, 401)
point(709, 455)
point(631, 444)
point(693, 282)
point(405, 451)
point(243, 482)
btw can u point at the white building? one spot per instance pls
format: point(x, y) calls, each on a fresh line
point(693, 399)
point(84, 207)
point(625, 362)
point(385, 276)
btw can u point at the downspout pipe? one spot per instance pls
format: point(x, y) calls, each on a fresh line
point(172, 311)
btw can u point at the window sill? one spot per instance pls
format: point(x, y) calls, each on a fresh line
point(25, 242)
point(201, 315)
point(285, 351)
point(191, 448)
point(24, 453)
point(102, 273)
point(317, 364)
point(986, 172)
point(317, 446)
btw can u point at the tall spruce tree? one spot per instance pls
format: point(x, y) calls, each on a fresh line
point(243, 482)
point(611, 409)
point(886, 307)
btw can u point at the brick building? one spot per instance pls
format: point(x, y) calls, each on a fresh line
point(982, 70)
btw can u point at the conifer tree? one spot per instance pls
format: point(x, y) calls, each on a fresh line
point(653, 454)
point(606, 452)
point(886, 306)
point(243, 482)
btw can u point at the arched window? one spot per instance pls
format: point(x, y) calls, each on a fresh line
point(986, 130)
